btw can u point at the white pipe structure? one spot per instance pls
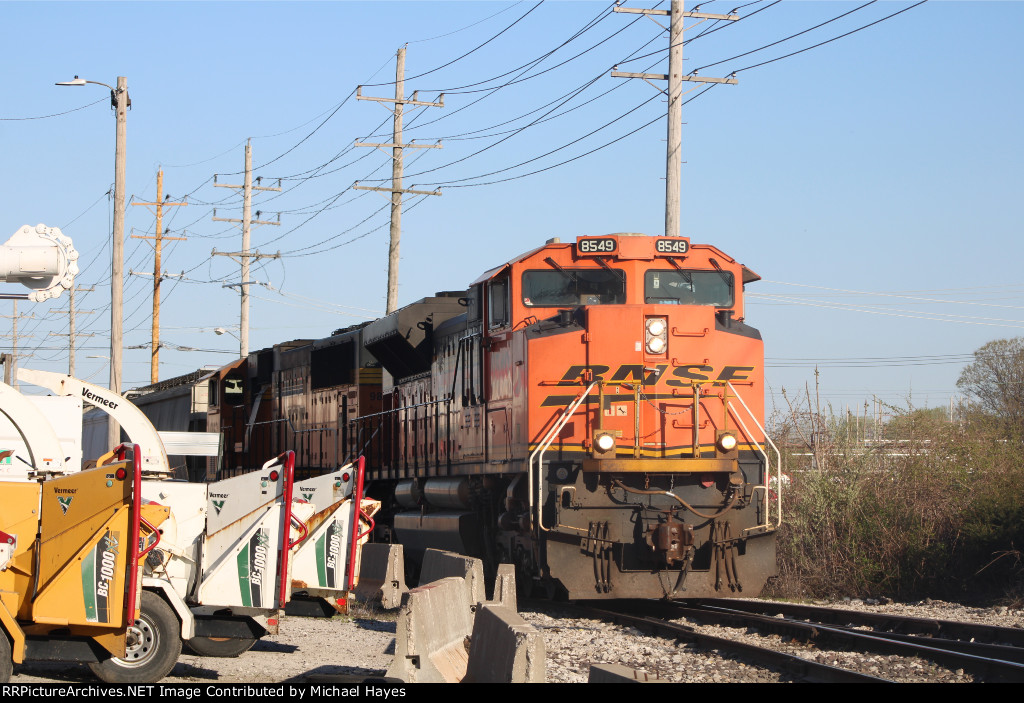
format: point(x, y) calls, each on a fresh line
point(41, 258)
point(538, 453)
point(768, 464)
point(134, 422)
point(44, 450)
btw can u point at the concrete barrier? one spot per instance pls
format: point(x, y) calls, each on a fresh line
point(504, 591)
point(504, 648)
point(433, 624)
point(381, 575)
point(617, 673)
point(439, 564)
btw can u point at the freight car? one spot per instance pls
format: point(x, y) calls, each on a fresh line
point(591, 411)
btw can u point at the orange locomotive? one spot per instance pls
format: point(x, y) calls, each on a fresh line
point(590, 411)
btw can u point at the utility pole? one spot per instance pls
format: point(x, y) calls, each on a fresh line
point(154, 363)
point(13, 356)
point(396, 189)
point(117, 264)
point(71, 335)
point(675, 78)
point(245, 255)
point(120, 102)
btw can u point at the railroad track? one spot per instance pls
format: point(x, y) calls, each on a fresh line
point(987, 653)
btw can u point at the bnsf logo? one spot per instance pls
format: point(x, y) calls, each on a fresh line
point(650, 376)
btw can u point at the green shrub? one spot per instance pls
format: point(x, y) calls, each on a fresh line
point(936, 508)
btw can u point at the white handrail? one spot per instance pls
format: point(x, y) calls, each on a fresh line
point(543, 446)
point(768, 464)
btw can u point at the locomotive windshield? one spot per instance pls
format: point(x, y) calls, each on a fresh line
point(677, 287)
point(567, 286)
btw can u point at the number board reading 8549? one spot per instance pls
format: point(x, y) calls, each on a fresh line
point(602, 245)
point(672, 246)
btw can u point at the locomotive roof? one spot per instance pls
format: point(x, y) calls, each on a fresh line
point(749, 276)
point(491, 273)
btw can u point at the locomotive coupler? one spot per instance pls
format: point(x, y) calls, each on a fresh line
point(672, 540)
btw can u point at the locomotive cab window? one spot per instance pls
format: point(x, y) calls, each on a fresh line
point(676, 287)
point(573, 287)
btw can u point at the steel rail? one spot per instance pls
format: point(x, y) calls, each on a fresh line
point(903, 624)
point(804, 669)
point(983, 666)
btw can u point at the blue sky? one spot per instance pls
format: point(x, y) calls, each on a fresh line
point(872, 182)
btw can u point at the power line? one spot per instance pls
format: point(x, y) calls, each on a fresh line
point(829, 41)
point(55, 114)
point(468, 53)
point(791, 36)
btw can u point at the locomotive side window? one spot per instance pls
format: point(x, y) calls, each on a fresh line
point(473, 308)
point(497, 303)
point(573, 287)
point(675, 287)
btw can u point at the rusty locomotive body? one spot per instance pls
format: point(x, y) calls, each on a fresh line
point(591, 411)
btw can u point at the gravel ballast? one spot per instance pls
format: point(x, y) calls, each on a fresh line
point(364, 645)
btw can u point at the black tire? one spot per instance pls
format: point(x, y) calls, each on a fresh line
point(6, 660)
point(154, 644)
point(220, 646)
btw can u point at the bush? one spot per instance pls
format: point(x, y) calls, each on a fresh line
point(934, 509)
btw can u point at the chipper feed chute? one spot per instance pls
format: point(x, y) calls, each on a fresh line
point(325, 551)
point(69, 582)
point(320, 551)
point(246, 543)
point(223, 562)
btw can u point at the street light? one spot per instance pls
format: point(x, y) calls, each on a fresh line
point(221, 331)
point(120, 102)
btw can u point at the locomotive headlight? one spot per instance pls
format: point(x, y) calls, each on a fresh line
point(656, 329)
point(604, 444)
point(726, 441)
point(656, 326)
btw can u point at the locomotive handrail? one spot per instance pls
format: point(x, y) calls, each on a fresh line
point(395, 410)
point(768, 463)
point(543, 446)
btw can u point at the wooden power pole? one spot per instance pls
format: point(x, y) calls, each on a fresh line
point(154, 358)
point(396, 189)
point(72, 335)
point(245, 255)
point(674, 154)
point(12, 358)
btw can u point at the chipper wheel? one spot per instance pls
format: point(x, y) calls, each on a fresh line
point(154, 644)
point(6, 660)
point(220, 646)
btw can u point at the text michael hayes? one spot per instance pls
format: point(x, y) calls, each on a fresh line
point(187, 692)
